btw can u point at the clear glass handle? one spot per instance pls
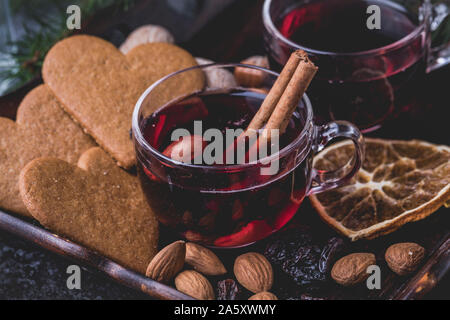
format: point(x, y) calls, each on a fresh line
point(440, 38)
point(325, 180)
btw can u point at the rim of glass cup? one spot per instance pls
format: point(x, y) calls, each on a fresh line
point(270, 26)
point(138, 136)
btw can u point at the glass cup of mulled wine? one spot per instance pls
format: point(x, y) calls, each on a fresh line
point(372, 54)
point(210, 199)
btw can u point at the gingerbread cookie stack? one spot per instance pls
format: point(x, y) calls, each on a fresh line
point(53, 170)
point(42, 129)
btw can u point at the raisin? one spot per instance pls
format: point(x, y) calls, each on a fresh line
point(228, 289)
point(304, 267)
point(283, 247)
point(329, 253)
point(307, 261)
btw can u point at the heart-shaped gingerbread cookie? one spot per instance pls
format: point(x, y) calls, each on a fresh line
point(96, 204)
point(42, 129)
point(99, 86)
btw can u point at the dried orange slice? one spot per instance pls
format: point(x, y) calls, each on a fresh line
point(400, 182)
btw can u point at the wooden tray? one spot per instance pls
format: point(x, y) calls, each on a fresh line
point(235, 34)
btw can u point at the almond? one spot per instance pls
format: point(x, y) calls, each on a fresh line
point(204, 260)
point(352, 269)
point(168, 262)
point(251, 77)
point(404, 258)
point(254, 272)
point(194, 284)
point(263, 296)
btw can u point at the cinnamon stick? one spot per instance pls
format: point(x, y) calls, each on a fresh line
point(282, 100)
point(295, 89)
point(289, 99)
point(274, 95)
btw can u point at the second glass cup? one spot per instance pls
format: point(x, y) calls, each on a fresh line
point(230, 205)
point(366, 75)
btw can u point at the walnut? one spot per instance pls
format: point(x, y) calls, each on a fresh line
point(217, 78)
point(146, 34)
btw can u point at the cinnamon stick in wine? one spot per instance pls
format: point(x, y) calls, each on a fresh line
point(296, 87)
point(274, 95)
point(281, 101)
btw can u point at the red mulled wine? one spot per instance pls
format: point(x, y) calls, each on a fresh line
point(365, 89)
point(341, 25)
point(219, 205)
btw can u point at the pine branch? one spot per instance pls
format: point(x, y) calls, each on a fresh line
point(29, 52)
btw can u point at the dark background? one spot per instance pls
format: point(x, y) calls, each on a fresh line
point(227, 31)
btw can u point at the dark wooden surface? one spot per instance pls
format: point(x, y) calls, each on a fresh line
point(79, 254)
point(236, 34)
